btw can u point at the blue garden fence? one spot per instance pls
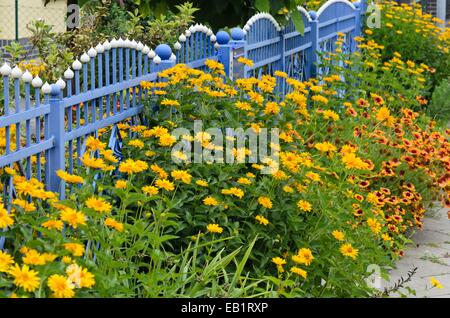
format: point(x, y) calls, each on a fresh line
point(45, 126)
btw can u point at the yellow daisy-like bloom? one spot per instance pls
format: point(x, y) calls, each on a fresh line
point(136, 143)
point(160, 171)
point(33, 257)
point(6, 261)
point(348, 250)
point(110, 222)
point(93, 144)
point(245, 61)
point(278, 261)
point(131, 166)
point(25, 205)
point(99, 205)
point(165, 184)
point(53, 224)
point(61, 286)
point(170, 102)
point(167, 140)
point(435, 283)
point(150, 190)
point(121, 184)
point(304, 256)
point(75, 248)
point(69, 178)
point(304, 205)
point(329, 114)
point(245, 181)
point(271, 108)
point(338, 235)
point(80, 276)
point(201, 183)
point(95, 163)
point(181, 175)
point(299, 272)
point(210, 201)
point(71, 217)
point(25, 278)
point(325, 147)
point(214, 228)
point(262, 220)
point(233, 191)
point(265, 202)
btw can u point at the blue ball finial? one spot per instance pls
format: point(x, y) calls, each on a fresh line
point(313, 15)
point(237, 34)
point(222, 37)
point(56, 90)
point(163, 51)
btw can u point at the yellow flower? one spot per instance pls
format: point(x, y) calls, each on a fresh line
point(271, 108)
point(348, 250)
point(93, 144)
point(304, 256)
point(25, 278)
point(436, 283)
point(210, 201)
point(95, 163)
point(131, 166)
point(265, 202)
point(325, 147)
point(160, 171)
point(280, 74)
point(243, 106)
point(181, 175)
point(99, 205)
point(6, 261)
point(201, 183)
point(110, 222)
point(25, 205)
point(170, 102)
point(383, 113)
point(70, 216)
point(214, 228)
point(245, 61)
point(136, 143)
point(234, 191)
point(299, 272)
point(61, 286)
point(279, 262)
point(262, 220)
point(304, 205)
point(69, 178)
point(80, 276)
point(121, 184)
point(329, 114)
point(165, 184)
point(33, 257)
point(167, 140)
point(352, 161)
point(338, 235)
point(75, 248)
point(150, 190)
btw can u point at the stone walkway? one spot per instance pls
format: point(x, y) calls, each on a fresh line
point(430, 253)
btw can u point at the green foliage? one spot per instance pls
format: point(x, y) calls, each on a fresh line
point(439, 108)
point(416, 37)
point(54, 56)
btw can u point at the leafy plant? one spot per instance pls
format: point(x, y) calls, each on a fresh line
point(439, 108)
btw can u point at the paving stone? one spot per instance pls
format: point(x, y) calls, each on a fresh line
point(430, 253)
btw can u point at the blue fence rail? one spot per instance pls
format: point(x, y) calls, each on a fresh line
point(45, 126)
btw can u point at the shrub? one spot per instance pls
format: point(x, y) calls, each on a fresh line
point(440, 103)
point(406, 30)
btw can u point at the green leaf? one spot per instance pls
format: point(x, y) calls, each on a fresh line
point(298, 22)
point(262, 5)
